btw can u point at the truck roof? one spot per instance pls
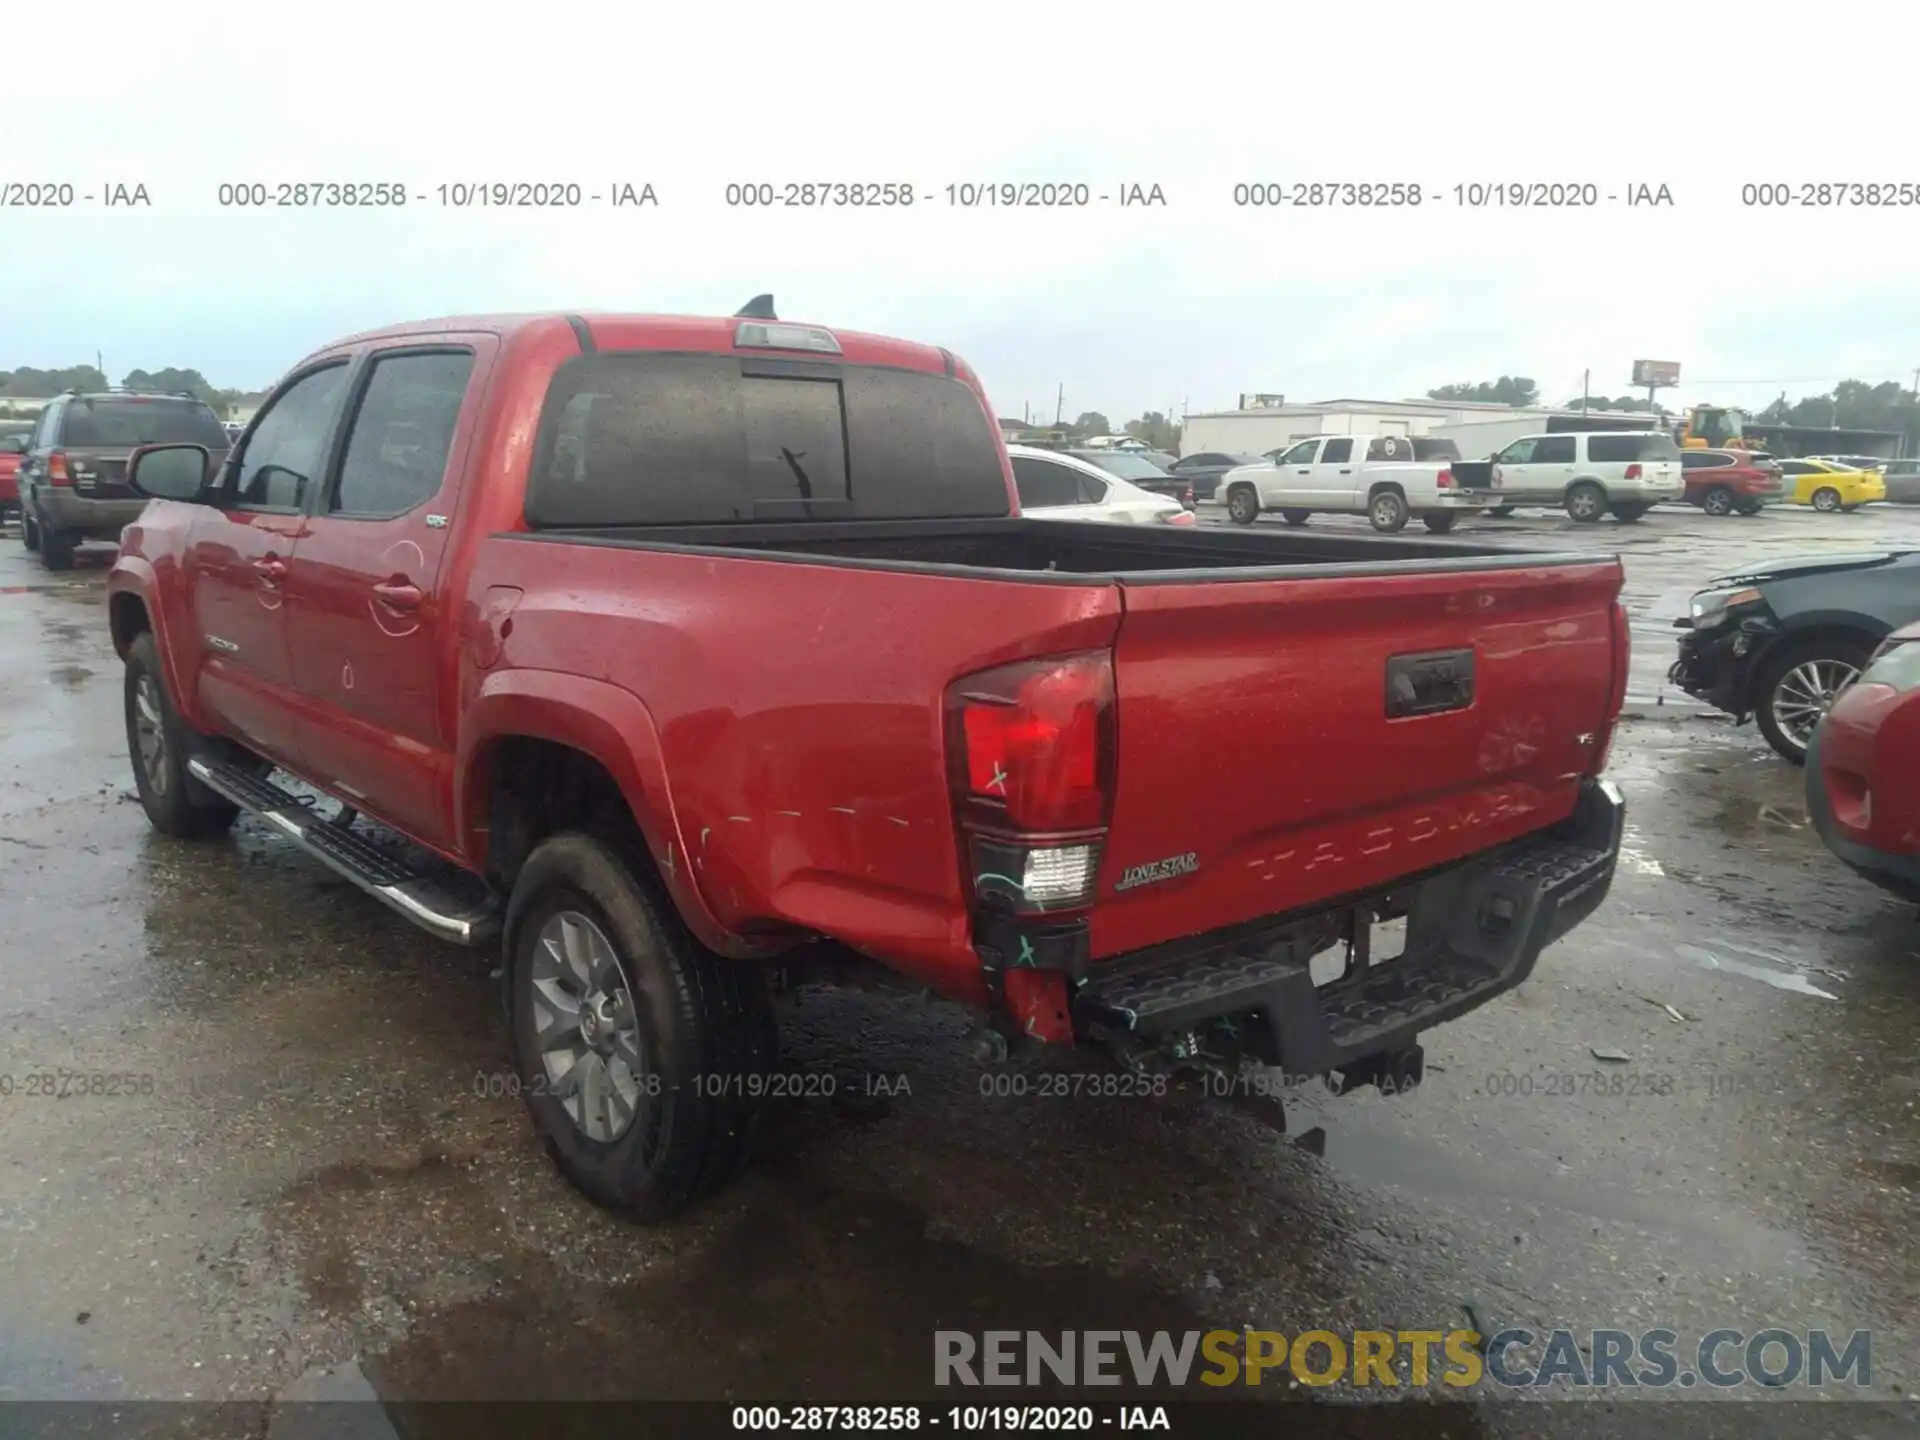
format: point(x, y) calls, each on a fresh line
point(618, 331)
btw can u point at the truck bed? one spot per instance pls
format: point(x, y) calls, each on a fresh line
point(795, 672)
point(1079, 551)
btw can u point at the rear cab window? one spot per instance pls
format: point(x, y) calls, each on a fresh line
point(123, 422)
point(1043, 483)
point(667, 438)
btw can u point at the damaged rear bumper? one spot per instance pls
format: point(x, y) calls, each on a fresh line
point(1474, 930)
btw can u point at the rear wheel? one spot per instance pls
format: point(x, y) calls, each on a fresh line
point(1500, 512)
point(1627, 514)
point(1586, 502)
point(29, 532)
point(160, 743)
point(1797, 687)
point(1718, 501)
point(1826, 499)
point(1296, 517)
point(1243, 505)
point(1439, 521)
point(638, 1050)
point(56, 549)
point(1387, 512)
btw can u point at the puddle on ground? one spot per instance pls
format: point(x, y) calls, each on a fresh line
point(1779, 972)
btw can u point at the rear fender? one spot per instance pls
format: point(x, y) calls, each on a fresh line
point(612, 726)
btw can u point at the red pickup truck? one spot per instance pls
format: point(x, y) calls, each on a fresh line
point(660, 650)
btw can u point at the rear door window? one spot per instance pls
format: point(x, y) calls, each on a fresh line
point(402, 433)
point(1704, 460)
point(1338, 452)
point(661, 438)
point(1628, 446)
point(1043, 483)
point(122, 422)
point(1554, 450)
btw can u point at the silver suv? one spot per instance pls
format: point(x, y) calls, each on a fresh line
point(73, 477)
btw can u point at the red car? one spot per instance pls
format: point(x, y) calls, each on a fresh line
point(14, 435)
point(1863, 769)
point(679, 648)
point(1731, 482)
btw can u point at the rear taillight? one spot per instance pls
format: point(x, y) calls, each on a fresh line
point(1031, 760)
point(57, 472)
point(1444, 479)
point(1633, 472)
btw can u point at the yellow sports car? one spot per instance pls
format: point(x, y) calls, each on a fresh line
point(1831, 487)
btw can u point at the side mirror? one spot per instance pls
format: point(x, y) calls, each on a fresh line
point(170, 472)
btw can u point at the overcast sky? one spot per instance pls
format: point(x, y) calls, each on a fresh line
point(1129, 309)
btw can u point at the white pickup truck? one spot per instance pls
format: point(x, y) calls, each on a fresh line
point(1387, 478)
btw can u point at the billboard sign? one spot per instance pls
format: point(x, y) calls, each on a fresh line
point(1656, 372)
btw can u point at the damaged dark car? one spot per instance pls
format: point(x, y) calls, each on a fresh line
point(1776, 644)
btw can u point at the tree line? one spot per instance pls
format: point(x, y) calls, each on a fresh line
point(1153, 429)
point(1851, 405)
point(28, 383)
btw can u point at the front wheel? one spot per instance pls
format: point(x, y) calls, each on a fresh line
point(1628, 514)
point(1439, 521)
point(1243, 505)
point(1296, 517)
point(1826, 499)
point(1387, 512)
point(160, 743)
point(642, 1056)
point(1798, 686)
point(1718, 501)
point(1586, 502)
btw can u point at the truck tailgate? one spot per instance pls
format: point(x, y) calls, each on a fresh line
point(1284, 742)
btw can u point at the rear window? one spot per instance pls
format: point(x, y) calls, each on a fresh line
point(121, 423)
point(1429, 449)
point(655, 438)
point(1704, 460)
point(1126, 466)
point(1631, 445)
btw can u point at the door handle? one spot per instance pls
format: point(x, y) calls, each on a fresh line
point(271, 569)
point(1347, 472)
point(399, 594)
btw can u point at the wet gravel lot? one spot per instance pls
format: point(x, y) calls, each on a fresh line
point(297, 1173)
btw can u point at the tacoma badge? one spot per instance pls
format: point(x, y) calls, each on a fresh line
point(1158, 870)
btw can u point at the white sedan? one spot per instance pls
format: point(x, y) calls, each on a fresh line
point(1053, 486)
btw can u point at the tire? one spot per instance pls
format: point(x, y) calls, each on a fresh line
point(1749, 509)
point(1826, 499)
point(159, 744)
point(1296, 517)
point(1440, 521)
point(1243, 505)
point(1628, 514)
point(29, 532)
point(698, 1022)
point(1718, 501)
point(1800, 671)
point(1387, 511)
point(1501, 512)
point(56, 549)
point(1585, 502)
point(1848, 509)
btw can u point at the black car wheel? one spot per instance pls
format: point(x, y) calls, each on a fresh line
point(1243, 505)
point(1826, 499)
point(1628, 514)
point(1296, 517)
point(1387, 512)
point(1586, 502)
point(1718, 501)
point(1439, 521)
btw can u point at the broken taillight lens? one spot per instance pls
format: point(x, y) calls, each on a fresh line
point(1031, 763)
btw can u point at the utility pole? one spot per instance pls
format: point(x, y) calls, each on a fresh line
point(1586, 385)
point(1059, 404)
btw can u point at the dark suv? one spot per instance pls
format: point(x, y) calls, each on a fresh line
point(73, 478)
